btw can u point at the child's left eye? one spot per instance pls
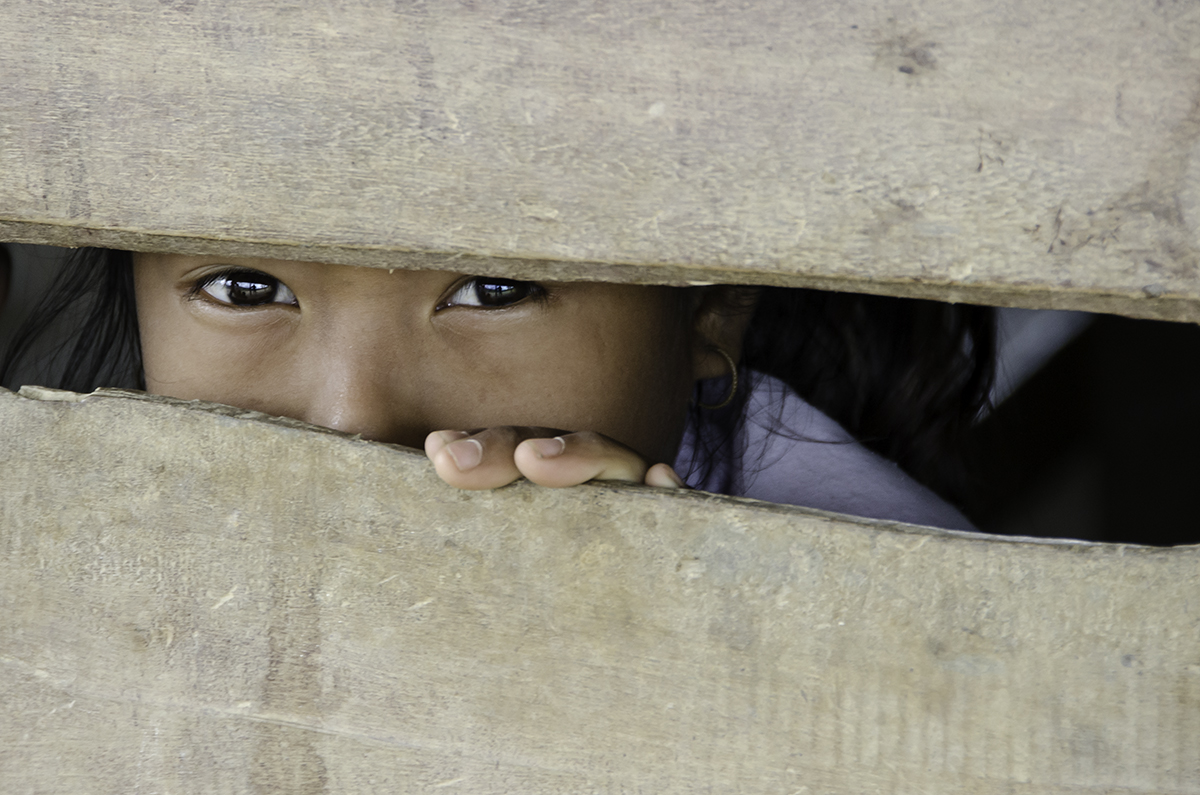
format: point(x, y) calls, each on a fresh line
point(491, 293)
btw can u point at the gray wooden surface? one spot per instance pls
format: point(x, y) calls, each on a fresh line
point(193, 600)
point(202, 600)
point(1025, 153)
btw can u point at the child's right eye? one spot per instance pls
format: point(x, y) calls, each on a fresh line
point(246, 288)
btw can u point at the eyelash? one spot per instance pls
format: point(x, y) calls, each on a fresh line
point(474, 293)
point(482, 292)
point(274, 291)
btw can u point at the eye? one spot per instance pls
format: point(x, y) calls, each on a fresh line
point(491, 293)
point(246, 288)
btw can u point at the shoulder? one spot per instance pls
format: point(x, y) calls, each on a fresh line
point(792, 453)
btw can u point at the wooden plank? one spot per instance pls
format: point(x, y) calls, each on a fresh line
point(1024, 153)
point(199, 599)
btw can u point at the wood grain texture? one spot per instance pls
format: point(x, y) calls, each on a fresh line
point(200, 599)
point(1025, 153)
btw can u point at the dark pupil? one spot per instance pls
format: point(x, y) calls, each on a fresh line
point(497, 292)
point(246, 290)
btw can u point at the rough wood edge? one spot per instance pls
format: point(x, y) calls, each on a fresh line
point(305, 587)
point(53, 395)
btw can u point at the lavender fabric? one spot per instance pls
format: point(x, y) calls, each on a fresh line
point(789, 452)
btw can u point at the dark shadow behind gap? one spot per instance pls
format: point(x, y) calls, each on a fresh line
point(1101, 444)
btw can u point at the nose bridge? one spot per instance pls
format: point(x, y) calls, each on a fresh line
point(357, 384)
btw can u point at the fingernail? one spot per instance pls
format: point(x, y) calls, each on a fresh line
point(439, 439)
point(467, 453)
point(548, 448)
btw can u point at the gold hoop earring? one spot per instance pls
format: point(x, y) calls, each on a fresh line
point(732, 388)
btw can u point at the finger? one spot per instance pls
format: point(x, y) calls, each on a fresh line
point(439, 439)
point(574, 458)
point(482, 460)
point(474, 461)
point(663, 476)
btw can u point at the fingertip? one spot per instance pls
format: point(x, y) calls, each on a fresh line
point(439, 450)
point(437, 440)
point(473, 461)
point(664, 477)
point(575, 458)
point(542, 461)
point(529, 457)
point(545, 448)
point(466, 453)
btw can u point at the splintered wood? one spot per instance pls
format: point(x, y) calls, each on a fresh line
point(1024, 153)
point(198, 599)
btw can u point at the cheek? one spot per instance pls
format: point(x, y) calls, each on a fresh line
point(592, 367)
point(644, 376)
point(190, 364)
point(161, 335)
point(167, 350)
point(185, 359)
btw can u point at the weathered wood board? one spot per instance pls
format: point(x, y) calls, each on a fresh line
point(1024, 153)
point(195, 599)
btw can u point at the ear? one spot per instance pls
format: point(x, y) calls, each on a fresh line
point(720, 320)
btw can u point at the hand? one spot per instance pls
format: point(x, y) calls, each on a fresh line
point(495, 457)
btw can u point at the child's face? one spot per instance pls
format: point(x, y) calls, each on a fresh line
point(394, 356)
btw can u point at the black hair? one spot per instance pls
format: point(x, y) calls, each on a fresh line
point(5, 270)
point(101, 347)
point(906, 377)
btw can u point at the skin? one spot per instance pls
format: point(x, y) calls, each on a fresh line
point(571, 382)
